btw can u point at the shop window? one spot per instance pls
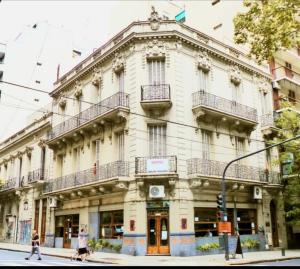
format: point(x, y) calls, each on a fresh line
point(64, 223)
point(111, 224)
point(205, 222)
point(246, 220)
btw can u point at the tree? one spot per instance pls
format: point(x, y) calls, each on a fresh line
point(268, 26)
point(288, 122)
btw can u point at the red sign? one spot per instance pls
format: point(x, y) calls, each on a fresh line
point(224, 227)
point(183, 224)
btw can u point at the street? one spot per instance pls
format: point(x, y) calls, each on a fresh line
point(293, 262)
point(16, 258)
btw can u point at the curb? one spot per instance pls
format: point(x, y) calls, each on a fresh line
point(58, 256)
point(266, 260)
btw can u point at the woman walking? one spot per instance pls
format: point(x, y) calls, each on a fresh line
point(82, 244)
point(35, 243)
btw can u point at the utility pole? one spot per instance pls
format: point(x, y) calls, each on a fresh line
point(224, 186)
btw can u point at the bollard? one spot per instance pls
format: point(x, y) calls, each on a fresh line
point(283, 252)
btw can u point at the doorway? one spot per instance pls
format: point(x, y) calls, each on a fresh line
point(67, 233)
point(274, 224)
point(158, 232)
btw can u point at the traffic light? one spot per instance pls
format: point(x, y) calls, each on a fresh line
point(219, 207)
point(220, 202)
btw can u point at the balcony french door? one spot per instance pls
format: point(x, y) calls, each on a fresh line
point(157, 140)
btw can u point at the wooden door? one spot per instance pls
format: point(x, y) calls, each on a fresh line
point(43, 225)
point(67, 233)
point(274, 224)
point(158, 233)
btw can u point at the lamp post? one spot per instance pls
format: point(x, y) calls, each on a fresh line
point(224, 185)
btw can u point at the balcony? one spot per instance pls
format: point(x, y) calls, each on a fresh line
point(89, 178)
point(209, 168)
point(37, 176)
point(268, 126)
point(9, 185)
point(110, 109)
point(156, 97)
point(157, 166)
point(287, 78)
point(206, 104)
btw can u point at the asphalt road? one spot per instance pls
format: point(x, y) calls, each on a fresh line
point(15, 258)
point(294, 262)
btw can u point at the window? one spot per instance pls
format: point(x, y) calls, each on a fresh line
point(206, 144)
point(288, 70)
point(239, 147)
point(264, 103)
point(64, 224)
point(121, 146)
point(205, 221)
point(111, 224)
point(157, 140)
point(246, 220)
point(292, 96)
point(120, 77)
point(203, 80)
point(76, 159)
point(156, 72)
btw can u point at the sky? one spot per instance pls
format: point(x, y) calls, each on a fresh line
point(46, 32)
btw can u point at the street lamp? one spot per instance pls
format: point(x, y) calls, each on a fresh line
point(224, 186)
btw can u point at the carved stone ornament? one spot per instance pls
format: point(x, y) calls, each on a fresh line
point(118, 62)
point(97, 76)
point(78, 89)
point(235, 75)
point(264, 85)
point(19, 154)
point(204, 62)
point(155, 49)
point(154, 19)
point(62, 102)
point(42, 143)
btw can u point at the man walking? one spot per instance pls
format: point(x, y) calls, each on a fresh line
point(35, 243)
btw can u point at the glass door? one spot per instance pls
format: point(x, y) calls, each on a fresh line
point(158, 232)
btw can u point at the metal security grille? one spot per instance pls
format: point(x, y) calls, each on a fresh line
point(157, 140)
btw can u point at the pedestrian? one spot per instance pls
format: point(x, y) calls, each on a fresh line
point(82, 244)
point(35, 243)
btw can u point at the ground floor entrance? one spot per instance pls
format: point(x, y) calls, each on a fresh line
point(158, 231)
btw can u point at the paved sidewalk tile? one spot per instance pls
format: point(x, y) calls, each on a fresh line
point(122, 259)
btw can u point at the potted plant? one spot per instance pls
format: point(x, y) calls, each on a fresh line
point(208, 248)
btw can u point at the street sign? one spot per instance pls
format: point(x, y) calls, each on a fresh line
point(180, 17)
point(224, 227)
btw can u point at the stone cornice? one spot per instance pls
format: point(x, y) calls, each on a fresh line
point(98, 58)
point(13, 143)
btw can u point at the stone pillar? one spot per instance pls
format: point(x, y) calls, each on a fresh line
point(182, 239)
point(135, 239)
point(50, 228)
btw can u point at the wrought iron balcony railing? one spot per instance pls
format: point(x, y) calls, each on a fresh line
point(160, 92)
point(9, 184)
point(106, 171)
point(115, 101)
point(197, 166)
point(268, 120)
point(156, 165)
point(36, 175)
point(202, 98)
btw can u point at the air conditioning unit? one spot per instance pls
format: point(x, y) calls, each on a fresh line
point(275, 85)
point(157, 191)
point(257, 192)
point(52, 202)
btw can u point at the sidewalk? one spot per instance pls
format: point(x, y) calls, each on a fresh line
point(122, 259)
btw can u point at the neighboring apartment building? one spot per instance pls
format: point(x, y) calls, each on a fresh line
point(24, 165)
point(285, 69)
point(141, 132)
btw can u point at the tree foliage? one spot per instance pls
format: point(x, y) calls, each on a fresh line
point(268, 26)
point(288, 122)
